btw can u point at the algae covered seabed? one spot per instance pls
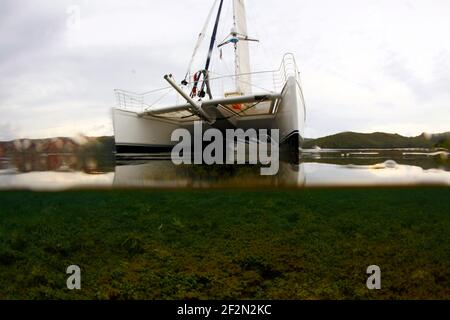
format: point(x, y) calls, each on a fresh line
point(226, 244)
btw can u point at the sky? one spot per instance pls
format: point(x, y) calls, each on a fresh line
point(366, 66)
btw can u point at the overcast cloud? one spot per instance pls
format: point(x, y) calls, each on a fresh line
point(373, 65)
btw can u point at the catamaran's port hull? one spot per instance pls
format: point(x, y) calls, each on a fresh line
point(137, 134)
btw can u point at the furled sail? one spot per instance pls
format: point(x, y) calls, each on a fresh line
point(243, 78)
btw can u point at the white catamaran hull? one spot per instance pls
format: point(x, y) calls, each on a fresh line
point(282, 107)
point(136, 133)
point(289, 116)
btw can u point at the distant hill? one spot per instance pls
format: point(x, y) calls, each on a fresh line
point(443, 140)
point(379, 140)
point(344, 140)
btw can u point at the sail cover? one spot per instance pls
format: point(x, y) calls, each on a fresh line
point(243, 78)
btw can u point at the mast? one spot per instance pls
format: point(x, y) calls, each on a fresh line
point(242, 54)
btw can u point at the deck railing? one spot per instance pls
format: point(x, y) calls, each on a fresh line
point(271, 81)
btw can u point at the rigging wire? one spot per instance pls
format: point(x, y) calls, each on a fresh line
point(219, 60)
point(236, 77)
point(201, 37)
point(213, 37)
point(211, 49)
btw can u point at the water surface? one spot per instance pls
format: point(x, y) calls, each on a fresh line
point(315, 168)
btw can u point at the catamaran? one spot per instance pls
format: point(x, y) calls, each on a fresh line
point(143, 123)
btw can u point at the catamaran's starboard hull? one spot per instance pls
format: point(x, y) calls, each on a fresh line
point(289, 117)
point(138, 134)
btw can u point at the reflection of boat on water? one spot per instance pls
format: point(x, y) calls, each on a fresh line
point(165, 174)
point(143, 123)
